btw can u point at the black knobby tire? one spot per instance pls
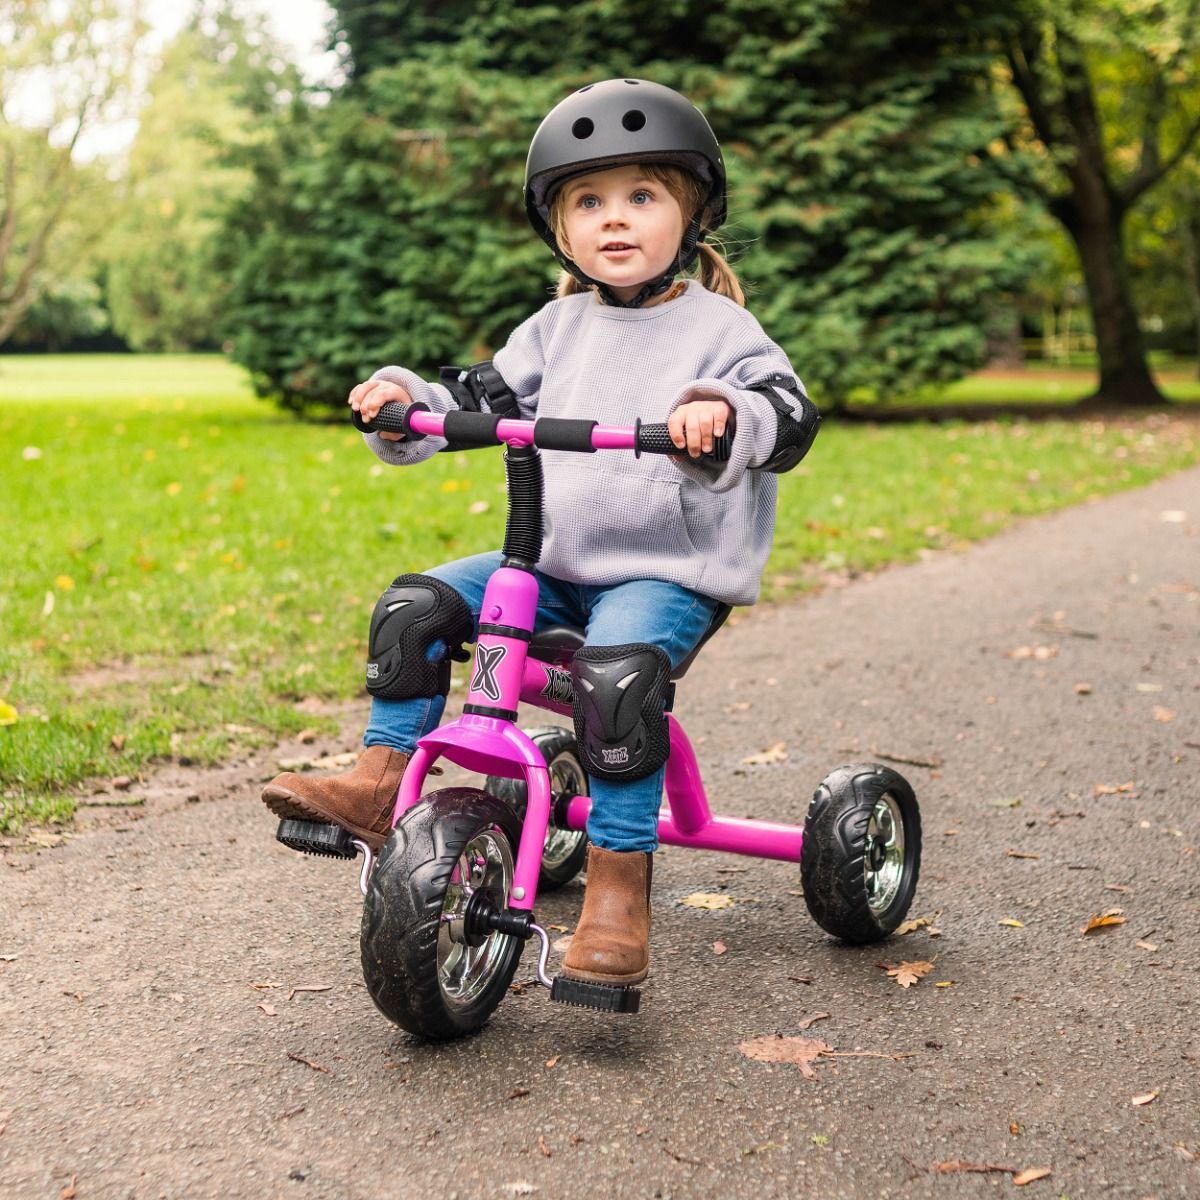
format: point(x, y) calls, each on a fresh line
point(565, 850)
point(861, 853)
point(419, 976)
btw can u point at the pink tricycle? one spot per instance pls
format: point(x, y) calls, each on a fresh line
point(450, 897)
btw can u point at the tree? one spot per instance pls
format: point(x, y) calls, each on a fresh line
point(64, 66)
point(1112, 96)
point(856, 136)
point(211, 100)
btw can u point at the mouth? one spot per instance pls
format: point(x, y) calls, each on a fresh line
point(616, 247)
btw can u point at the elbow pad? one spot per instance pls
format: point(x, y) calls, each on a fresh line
point(480, 388)
point(797, 422)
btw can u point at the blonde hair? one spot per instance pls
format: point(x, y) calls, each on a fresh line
point(690, 194)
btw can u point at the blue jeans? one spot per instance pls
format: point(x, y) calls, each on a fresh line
point(624, 815)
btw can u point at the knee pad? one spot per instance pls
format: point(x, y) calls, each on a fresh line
point(620, 709)
point(413, 616)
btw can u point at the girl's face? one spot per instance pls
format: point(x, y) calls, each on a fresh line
point(622, 227)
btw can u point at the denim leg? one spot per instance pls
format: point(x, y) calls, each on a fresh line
point(624, 816)
point(400, 723)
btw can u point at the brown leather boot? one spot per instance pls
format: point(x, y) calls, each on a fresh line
point(360, 800)
point(612, 942)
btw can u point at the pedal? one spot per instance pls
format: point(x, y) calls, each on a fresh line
point(606, 997)
point(316, 837)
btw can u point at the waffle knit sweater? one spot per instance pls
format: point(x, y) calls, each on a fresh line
point(611, 517)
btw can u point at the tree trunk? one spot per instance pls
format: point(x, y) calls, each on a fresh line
point(1189, 228)
point(1125, 377)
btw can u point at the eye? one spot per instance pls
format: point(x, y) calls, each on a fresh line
point(642, 196)
point(589, 201)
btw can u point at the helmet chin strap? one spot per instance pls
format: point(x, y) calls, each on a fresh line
point(689, 248)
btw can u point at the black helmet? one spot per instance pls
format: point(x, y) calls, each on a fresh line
point(611, 124)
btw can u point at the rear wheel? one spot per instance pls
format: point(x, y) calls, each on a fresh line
point(565, 850)
point(861, 854)
point(424, 967)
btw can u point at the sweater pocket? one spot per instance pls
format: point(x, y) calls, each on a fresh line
point(615, 524)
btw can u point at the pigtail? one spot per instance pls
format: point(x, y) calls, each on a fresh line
point(717, 275)
point(568, 285)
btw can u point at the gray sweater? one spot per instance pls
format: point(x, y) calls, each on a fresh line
point(610, 517)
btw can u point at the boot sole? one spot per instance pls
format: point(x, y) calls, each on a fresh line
point(289, 805)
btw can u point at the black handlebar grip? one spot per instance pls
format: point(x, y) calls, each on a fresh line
point(654, 439)
point(391, 418)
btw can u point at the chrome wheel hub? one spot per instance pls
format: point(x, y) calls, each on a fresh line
point(885, 854)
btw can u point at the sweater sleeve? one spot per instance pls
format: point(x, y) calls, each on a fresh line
point(520, 364)
point(771, 407)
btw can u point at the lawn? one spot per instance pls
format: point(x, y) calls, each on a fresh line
point(187, 570)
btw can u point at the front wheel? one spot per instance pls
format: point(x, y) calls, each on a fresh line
point(423, 967)
point(861, 853)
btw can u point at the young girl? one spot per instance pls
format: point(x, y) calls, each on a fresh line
point(624, 182)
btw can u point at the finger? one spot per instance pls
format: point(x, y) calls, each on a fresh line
point(694, 438)
point(388, 436)
point(675, 425)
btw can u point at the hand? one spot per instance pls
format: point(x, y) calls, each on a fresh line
point(693, 425)
point(368, 398)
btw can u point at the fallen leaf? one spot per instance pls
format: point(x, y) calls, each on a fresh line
point(1013, 923)
point(306, 1062)
point(69, 1192)
point(776, 1048)
point(1030, 1175)
point(269, 1009)
point(1148, 1098)
point(1107, 789)
point(542, 1145)
point(117, 741)
point(1117, 887)
point(551, 1063)
point(306, 737)
point(1020, 854)
point(8, 958)
point(956, 1166)
point(1105, 920)
point(310, 987)
point(1041, 653)
point(1163, 714)
point(773, 754)
point(944, 983)
point(719, 947)
point(1083, 689)
point(518, 1093)
point(1149, 687)
point(519, 1188)
point(914, 924)
point(908, 973)
point(708, 900)
point(1146, 946)
point(810, 1021)
point(1014, 1128)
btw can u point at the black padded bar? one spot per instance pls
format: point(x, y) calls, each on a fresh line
point(559, 433)
point(471, 428)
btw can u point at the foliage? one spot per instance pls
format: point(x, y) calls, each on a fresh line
point(857, 145)
point(1111, 93)
point(211, 100)
point(202, 564)
point(64, 67)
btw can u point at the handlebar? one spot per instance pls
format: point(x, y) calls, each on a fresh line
point(469, 429)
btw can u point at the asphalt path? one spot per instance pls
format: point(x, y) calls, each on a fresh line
point(158, 1038)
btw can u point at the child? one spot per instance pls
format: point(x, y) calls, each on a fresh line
point(624, 182)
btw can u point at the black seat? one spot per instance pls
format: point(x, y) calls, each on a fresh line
point(557, 643)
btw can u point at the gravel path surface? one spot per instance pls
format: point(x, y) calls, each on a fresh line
point(164, 1035)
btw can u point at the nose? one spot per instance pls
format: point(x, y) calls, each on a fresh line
point(616, 216)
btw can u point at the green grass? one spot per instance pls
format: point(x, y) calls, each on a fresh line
point(184, 566)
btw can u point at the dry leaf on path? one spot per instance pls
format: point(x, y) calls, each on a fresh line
point(70, 1192)
point(1148, 1098)
point(310, 987)
point(1012, 923)
point(908, 973)
point(915, 923)
point(719, 947)
point(1030, 1175)
point(1112, 789)
point(1020, 854)
point(708, 900)
point(269, 1009)
point(776, 753)
point(773, 1048)
point(808, 1022)
point(1105, 920)
point(1163, 714)
point(957, 1166)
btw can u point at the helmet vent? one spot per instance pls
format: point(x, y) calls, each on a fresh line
point(583, 128)
point(634, 120)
